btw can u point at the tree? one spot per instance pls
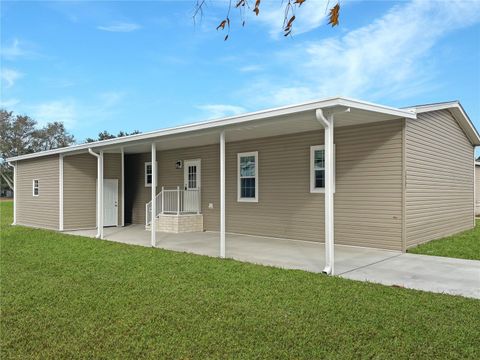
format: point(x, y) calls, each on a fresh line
point(105, 135)
point(19, 135)
point(290, 7)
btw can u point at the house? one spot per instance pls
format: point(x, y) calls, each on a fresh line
point(477, 187)
point(336, 170)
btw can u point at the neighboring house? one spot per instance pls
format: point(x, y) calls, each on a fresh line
point(477, 187)
point(399, 177)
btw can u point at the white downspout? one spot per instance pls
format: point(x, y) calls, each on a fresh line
point(222, 194)
point(99, 192)
point(15, 192)
point(153, 224)
point(329, 205)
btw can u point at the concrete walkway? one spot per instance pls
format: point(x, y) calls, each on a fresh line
point(429, 273)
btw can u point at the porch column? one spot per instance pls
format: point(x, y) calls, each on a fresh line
point(15, 192)
point(222, 194)
point(60, 193)
point(153, 225)
point(329, 183)
point(99, 192)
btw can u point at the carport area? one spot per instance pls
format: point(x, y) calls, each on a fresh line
point(428, 273)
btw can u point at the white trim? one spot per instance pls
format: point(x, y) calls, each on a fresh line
point(123, 186)
point(233, 120)
point(222, 194)
point(147, 163)
point(239, 197)
point(313, 189)
point(197, 162)
point(60, 193)
point(457, 111)
point(35, 187)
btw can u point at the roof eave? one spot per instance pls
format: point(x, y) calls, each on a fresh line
point(228, 121)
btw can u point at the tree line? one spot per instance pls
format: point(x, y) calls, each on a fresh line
point(20, 135)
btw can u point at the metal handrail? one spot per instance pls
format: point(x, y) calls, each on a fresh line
point(174, 202)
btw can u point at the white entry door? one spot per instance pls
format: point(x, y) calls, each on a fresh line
point(110, 202)
point(192, 180)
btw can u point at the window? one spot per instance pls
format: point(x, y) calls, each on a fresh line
point(248, 177)
point(36, 188)
point(317, 169)
point(148, 174)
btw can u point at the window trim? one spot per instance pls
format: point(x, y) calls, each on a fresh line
point(239, 190)
point(37, 187)
point(145, 173)
point(313, 189)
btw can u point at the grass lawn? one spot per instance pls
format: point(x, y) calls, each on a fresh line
point(465, 245)
point(71, 297)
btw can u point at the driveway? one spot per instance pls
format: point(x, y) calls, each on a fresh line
point(423, 272)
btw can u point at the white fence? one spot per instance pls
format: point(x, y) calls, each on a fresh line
point(174, 201)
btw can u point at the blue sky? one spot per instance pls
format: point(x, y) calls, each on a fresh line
point(145, 65)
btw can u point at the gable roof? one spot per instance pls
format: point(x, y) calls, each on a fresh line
point(458, 112)
point(274, 113)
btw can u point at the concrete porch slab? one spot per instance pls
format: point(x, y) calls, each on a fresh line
point(284, 253)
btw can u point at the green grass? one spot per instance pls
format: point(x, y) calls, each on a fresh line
point(465, 245)
point(72, 297)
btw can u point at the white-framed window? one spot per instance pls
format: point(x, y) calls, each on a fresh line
point(148, 174)
point(35, 187)
point(317, 169)
point(247, 173)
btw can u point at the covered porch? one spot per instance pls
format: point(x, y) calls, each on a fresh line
point(290, 194)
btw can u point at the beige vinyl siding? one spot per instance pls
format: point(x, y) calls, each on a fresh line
point(42, 210)
point(368, 186)
point(80, 188)
point(79, 191)
point(477, 190)
point(439, 178)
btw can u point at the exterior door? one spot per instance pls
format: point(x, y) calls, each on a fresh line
point(110, 202)
point(192, 181)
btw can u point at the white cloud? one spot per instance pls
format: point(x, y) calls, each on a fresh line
point(215, 111)
point(9, 76)
point(61, 110)
point(74, 113)
point(120, 27)
point(13, 50)
point(251, 68)
point(8, 103)
point(391, 56)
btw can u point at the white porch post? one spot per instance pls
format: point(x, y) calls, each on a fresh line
point(15, 192)
point(123, 187)
point(99, 192)
point(153, 226)
point(329, 186)
point(222, 194)
point(100, 195)
point(60, 193)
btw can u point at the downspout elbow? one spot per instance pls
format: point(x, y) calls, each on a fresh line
point(91, 152)
point(321, 118)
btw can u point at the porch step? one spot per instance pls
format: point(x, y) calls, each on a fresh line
point(179, 223)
